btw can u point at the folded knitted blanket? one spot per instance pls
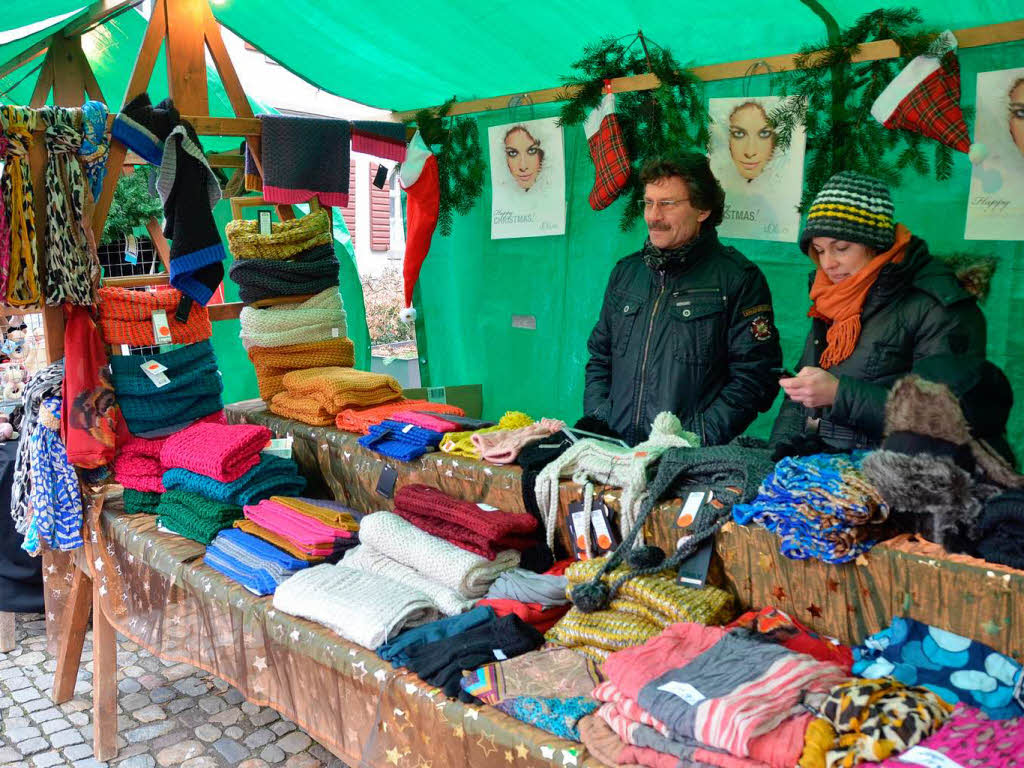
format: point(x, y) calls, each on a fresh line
point(461, 443)
point(821, 506)
point(136, 502)
point(223, 452)
point(193, 516)
point(477, 528)
point(287, 239)
point(337, 387)
point(282, 543)
point(359, 420)
point(397, 651)
point(272, 363)
point(442, 662)
point(968, 737)
point(404, 442)
point(502, 446)
point(332, 513)
point(591, 460)
point(318, 318)
point(193, 390)
point(466, 573)
point(366, 558)
point(296, 167)
point(309, 273)
point(365, 608)
point(424, 419)
point(273, 475)
point(126, 316)
point(308, 533)
point(550, 671)
point(252, 562)
point(547, 590)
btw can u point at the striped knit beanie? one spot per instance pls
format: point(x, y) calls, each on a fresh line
point(852, 207)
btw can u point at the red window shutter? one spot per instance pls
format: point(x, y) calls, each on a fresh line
point(380, 214)
point(349, 211)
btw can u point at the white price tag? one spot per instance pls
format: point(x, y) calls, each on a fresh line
point(155, 372)
point(499, 654)
point(684, 691)
point(280, 446)
point(161, 330)
point(407, 428)
point(486, 507)
point(335, 333)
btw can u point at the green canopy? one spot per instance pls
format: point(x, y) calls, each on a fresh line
point(56, 13)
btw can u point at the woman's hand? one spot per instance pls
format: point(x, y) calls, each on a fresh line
point(811, 387)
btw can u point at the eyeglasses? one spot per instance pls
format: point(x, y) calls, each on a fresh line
point(662, 205)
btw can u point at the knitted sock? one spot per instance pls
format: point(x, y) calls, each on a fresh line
point(608, 151)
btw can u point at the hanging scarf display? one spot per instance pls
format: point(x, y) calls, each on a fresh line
point(95, 143)
point(70, 266)
point(44, 383)
point(90, 420)
point(18, 123)
point(5, 231)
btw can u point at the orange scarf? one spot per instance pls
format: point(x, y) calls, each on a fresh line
point(840, 304)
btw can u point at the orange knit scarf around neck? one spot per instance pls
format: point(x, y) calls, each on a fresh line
point(840, 304)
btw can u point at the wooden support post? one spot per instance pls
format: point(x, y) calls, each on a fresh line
point(72, 637)
point(186, 55)
point(104, 680)
point(6, 631)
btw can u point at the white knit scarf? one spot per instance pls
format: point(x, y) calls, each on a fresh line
point(467, 573)
point(318, 318)
point(366, 558)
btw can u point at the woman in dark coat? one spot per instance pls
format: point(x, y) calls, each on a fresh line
point(882, 307)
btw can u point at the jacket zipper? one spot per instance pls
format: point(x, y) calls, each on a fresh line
point(647, 345)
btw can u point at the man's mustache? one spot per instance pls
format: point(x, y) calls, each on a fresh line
point(659, 227)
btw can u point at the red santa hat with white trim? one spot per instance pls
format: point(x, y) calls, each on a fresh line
point(925, 98)
point(420, 180)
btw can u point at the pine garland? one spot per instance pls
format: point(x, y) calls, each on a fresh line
point(841, 133)
point(460, 163)
point(658, 123)
point(131, 207)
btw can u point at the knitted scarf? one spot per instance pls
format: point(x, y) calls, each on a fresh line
point(840, 304)
point(140, 502)
point(318, 318)
point(359, 420)
point(273, 475)
point(287, 239)
point(296, 165)
point(336, 388)
point(95, 144)
point(5, 231)
point(71, 267)
point(193, 516)
point(405, 442)
point(309, 273)
point(659, 259)
point(366, 558)
point(223, 452)
point(299, 408)
point(272, 363)
point(279, 541)
point(44, 383)
point(126, 316)
point(503, 446)
point(18, 123)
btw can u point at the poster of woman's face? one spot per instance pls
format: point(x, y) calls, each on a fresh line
point(995, 207)
point(762, 182)
point(527, 179)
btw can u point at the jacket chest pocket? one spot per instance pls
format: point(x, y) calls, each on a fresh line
point(697, 326)
point(625, 315)
point(887, 360)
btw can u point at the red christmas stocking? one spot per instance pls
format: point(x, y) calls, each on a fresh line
point(611, 163)
point(423, 192)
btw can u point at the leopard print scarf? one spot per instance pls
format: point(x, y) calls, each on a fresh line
point(16, 185)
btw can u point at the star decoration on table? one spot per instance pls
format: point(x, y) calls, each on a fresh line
point(51, 569)
point(459, 731)
point(294, 635)
point(103, 590)
point(833, 585)
point(548, 753)
point(522, 750)
point(176, 620)
point(208, 587)
point(98, 564)
point(50, 616)
point(509, 757)
point(764, 562)
point(423, 763)
point(131, 558)
point(381, 675)
point(69, 577)
point(363, 671)
point(398, 712)
point(814, 610)
point(779, 593)
point(410, 688)
point(393, 756)
point(260, 662)
point(473, 714)
point(486, 744)
point(352, 735)
point(569, 756)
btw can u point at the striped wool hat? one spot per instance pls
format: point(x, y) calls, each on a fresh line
point(852, 207)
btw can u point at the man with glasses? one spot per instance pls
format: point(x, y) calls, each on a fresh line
point(687, 323)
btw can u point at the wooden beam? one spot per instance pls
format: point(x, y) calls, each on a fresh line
point(225, 311)
point(163, 250)
point(186, 55)
point(69, 78)
point(72, 637)
point(43, 84)
point(224, 126)
point(6, 632)
point(225, 160)
point(137, 281)
point(970, 37)
point(104, 680)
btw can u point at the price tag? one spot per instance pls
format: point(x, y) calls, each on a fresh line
point(280, 446)
point(684, 691)
point(155, 372)
point(407, 429)
point(131, 249)
point(486, 507)
point(161, 329)
point(335, 333)
point(386, 483)
point(499, 654)
point(125, 349)
point(691, 507)
point(264, 216)
point(605, 539)
point(436, 395)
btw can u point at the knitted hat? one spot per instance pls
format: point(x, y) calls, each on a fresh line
point(852, 207)
point(126, 316)
point(310, 272)
point(316, 319)
point(272, 363)
point(1000, 530)
point(287, 239)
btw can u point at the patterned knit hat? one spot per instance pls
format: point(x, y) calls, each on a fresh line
point(852, 207)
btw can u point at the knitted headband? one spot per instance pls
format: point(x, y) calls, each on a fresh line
point(126, 317)
point(852, 207)
point(316, 319)
point(286, 239)
point(312, 272)
point(272, 363)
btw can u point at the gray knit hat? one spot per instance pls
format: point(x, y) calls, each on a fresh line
point(852, 207)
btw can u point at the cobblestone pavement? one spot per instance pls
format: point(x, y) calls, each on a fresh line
point(168, 715)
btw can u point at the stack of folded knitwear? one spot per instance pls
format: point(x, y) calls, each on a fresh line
point(307, 529)
point(422, 413)
point(821, 506)
point(399, 576)
point(191, 391)
point(640, 609)
point(126, 316)
point(461, 443)
point(271, 476)
point(256, 564)
point(539, 599)
point(316, 395)
point(706, 695)
point(222, 453)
